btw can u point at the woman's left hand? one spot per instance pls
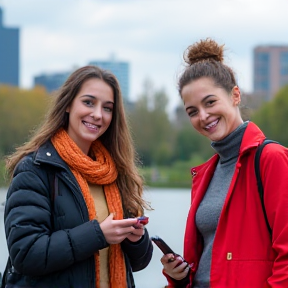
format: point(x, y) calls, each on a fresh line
point(137, 234)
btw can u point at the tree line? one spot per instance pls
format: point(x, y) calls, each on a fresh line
point(167, 145)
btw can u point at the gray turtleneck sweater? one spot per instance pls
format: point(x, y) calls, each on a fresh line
point(209, 210)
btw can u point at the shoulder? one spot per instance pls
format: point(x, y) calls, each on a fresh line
point(29, 184)
point(44, 158)
point(30, 171)
point(25, 164)
point(274, 155)
point(275, 150)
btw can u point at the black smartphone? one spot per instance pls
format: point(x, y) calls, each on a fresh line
point(162, 245)
point(166, 249)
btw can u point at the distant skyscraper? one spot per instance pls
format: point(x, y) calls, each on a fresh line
point(270, 70)
point(9, 54)
point(51, 82)
point(120, 69)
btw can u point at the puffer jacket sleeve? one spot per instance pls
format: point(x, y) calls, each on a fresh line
point(139, 253)
point(34, 247)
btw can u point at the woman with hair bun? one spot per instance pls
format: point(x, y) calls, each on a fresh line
point(227, 243)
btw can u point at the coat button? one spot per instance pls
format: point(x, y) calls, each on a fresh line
point(48, 154)
point(229, 256)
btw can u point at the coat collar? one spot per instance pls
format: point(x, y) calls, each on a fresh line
point(48, 154)
point(252, 137)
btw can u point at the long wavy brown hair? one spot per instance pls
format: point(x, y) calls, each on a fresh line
point(117, 138)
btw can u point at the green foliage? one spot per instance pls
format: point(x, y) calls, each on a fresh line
point(176, 175)
point(161, 141)
point(272, 117)
point(20, 112)
point(152, 130)
point(189, 142)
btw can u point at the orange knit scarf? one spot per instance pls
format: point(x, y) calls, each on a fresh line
point(102, 171)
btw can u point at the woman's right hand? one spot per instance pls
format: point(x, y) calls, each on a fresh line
point(174, 266)
point(115, 231)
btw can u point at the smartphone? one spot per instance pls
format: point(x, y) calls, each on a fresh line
point(141, 220)
point(166, 249)
point(162, 245)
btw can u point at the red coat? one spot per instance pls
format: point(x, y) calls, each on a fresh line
point(243, 254)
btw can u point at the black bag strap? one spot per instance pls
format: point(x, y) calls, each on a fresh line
point(258, 177)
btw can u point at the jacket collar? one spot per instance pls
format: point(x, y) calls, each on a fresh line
point(48, 154)
point(252, 137)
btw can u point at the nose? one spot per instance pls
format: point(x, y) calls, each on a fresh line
point(203, 115)
point(96, 112)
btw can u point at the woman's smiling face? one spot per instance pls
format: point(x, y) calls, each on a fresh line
point(90, 112)
point(213, 112)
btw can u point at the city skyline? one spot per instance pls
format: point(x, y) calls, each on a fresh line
point(57, 36)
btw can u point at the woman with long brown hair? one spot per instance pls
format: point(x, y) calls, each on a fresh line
point(75, 194)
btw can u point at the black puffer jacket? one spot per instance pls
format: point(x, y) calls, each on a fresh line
point(50, 239)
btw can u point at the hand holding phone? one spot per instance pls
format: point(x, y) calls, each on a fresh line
point(179, 261)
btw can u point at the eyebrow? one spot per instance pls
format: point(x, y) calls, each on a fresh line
point(94, 98)
point(203, 100)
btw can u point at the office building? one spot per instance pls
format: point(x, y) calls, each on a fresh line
point(9, 54)
point(120, 69)
point(270, 70)
point(51, 82)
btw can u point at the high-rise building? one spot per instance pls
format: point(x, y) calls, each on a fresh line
point(270, 70)
point(51, 82)
point(120, 69)
point(9, 54)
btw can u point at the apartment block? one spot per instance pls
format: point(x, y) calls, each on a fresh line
point(270, 70)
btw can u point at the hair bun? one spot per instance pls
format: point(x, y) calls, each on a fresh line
point(204, 50)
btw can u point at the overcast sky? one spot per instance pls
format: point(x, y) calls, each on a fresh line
point(57, 35)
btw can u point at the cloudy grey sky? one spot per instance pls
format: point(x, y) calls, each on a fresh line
point(57, 35)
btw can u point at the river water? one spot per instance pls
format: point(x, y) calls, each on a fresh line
point(167, 220)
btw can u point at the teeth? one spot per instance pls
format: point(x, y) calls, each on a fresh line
point(90, 125)
point(212, 124)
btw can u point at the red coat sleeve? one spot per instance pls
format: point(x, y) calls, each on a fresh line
point(274, 175)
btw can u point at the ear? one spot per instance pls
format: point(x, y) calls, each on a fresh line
point(236, 96)
point(68, 109)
